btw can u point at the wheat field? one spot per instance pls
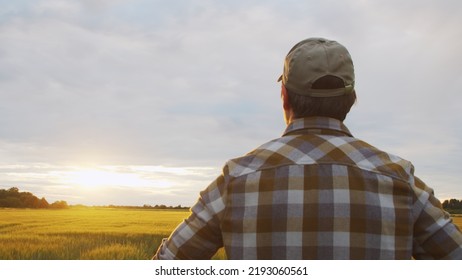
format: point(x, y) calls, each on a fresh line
point(89, 233)
point(84, 233)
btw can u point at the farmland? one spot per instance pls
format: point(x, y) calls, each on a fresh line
point(85, 233)
point(88, 233)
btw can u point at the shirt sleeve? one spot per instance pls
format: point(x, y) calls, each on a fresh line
point(435, 235)
point(199, 236)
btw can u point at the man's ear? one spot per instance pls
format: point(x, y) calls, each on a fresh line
point(285, 98)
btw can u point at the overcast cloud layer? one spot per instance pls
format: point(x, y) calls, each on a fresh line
point(190, 84)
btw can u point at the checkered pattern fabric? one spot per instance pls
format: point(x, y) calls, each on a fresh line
point(316, 193)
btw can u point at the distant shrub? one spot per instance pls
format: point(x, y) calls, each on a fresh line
point(61, 204)
point(452, 204)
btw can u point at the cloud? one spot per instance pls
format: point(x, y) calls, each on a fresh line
point(80, 94)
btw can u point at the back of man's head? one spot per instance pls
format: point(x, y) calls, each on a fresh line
point(319, 78)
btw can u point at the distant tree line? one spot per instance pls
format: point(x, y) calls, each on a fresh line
point(453, 206)
point(162, 206)
point(13, 198)
point(148, 206)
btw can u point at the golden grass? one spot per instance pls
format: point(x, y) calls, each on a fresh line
point(458, 221)
point(84, 233)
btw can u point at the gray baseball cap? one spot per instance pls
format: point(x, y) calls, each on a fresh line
point(315, 58)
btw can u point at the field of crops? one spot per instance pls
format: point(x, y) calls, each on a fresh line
point(88, 233)
point(85, 233)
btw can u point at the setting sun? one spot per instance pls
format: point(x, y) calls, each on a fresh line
point(92, 178)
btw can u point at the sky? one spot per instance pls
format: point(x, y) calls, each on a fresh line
point(143, 102)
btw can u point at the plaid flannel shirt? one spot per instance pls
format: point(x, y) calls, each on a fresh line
point(316, 193)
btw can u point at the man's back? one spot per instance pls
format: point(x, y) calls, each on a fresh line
point(318, 193)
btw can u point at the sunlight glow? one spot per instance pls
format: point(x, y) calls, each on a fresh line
point(91, 178)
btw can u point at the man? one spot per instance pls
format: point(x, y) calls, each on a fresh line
point(317, 192)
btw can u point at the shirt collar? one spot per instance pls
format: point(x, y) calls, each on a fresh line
point(317, 125)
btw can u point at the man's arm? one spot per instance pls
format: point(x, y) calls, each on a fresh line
point(199, 236)
point(435, 236)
